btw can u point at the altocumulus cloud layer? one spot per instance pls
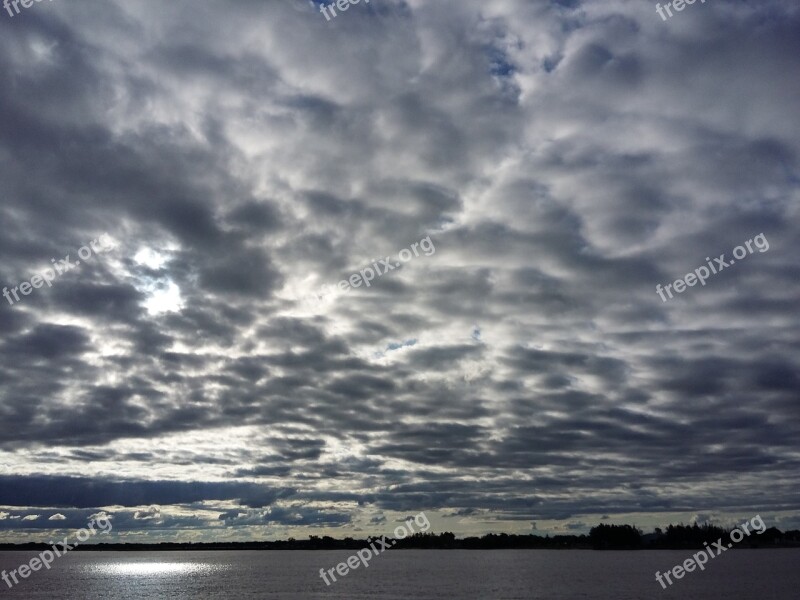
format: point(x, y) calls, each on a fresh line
point(564, 157)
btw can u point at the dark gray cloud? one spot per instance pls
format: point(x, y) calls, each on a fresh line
point(75, 492)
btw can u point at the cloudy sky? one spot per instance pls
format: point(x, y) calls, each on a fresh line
point(562, 158)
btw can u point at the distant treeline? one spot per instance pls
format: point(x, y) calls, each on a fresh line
point(602, 537)
point(627, 537)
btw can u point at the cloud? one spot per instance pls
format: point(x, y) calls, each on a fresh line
point(84, 492)
point(564, 157)
point(153, 512)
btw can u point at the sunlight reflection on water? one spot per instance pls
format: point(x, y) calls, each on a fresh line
point(153, 569)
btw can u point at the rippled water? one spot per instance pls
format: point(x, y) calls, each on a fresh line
point(404, 574)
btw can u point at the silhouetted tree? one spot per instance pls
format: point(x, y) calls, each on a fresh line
point(615, 537)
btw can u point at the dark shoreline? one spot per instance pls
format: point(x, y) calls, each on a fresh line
point(211, 547)
point(603, 537)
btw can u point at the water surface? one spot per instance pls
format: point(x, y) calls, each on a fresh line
point(407, 574)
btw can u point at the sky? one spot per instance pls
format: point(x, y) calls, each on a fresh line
point(530, 175)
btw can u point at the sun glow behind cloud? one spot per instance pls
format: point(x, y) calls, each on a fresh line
point(163, 294)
